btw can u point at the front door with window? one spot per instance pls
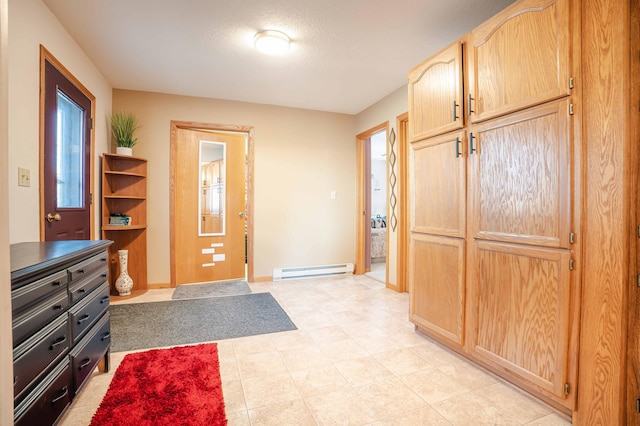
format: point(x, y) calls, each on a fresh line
point(66, 158)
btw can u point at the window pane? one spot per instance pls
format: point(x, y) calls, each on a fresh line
point(70, 184)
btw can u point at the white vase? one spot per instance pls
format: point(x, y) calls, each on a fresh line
point(123, 150)
point(124, 283)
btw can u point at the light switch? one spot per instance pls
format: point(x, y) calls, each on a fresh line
point(333, 195)
point(24, 177)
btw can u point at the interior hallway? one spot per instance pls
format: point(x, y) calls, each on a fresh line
point(354, 360)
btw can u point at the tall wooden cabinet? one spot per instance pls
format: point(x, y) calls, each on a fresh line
point(124, 192)
point(492, 253)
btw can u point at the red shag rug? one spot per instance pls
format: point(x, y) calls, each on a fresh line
point(176, 386)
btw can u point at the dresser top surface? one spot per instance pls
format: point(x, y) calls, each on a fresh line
point(30, 257)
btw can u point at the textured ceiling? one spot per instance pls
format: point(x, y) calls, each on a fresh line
point(345, 55)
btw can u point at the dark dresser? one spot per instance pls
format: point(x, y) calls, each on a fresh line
point(60, 310)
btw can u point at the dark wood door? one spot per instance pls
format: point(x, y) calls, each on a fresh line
point(67, 158)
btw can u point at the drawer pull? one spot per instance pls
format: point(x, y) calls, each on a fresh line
point(81, 271)
point(105, 336)
point(15, 380)
point(105, 299)
point(60, 340)
point(56, 283)
point(56, 307)
point(83, 318)
point(65, 392)
point(103, 259)
point(85, 362)
point(103, 275)
point(82, 290)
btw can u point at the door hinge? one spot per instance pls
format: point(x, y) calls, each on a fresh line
point(570, 82)
point(638, 405)
point(572, 238)
point(92, 122)
point(567, 388)
point(570, 109)
point(572, 264)
point(90, 199)
point(638, 231)
point(638, 280)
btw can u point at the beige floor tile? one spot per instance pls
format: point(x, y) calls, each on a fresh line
point(233, 395)
point(401, 361)
point(285, 413)
point(473, 377)
point(522, 407)
point(473, 409)
point(239, 418)
point(291, 340)
point(260, 364)
point(305, 358)
point(268, 390)
point(550, 420)
point(229, 369)
point(433, 385)
point(253, 345)
point(434, 354)
point(425, 416)
point(332, 333)
point(362, 370)
point(318, 381)
point(343, 350)
point(389, 397)
point(378, 344)
point(340, 408)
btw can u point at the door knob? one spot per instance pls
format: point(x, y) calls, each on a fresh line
point(241, 214)
point(51, 217)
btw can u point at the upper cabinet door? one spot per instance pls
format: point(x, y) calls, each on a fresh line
point(435, 95)
point(519, 58)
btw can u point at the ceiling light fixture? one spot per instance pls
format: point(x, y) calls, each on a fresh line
point(271, 42)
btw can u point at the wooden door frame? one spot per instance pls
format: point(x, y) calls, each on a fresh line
point(402, 256)
point(191, 125)
point(46, 56)
point(361, 180)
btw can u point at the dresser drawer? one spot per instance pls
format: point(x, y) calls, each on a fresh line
point(83, 269)
point(33, 319)
point(32, 358)
point(79, 289)
point(22, 297)
point(86, 312)
point(45, 404)
point(88, 352)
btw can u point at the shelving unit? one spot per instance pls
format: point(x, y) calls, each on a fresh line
point(124, 191)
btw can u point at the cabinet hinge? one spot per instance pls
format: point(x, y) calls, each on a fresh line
point(90, 199)
point(638, 280)
point(572, 238)
point(572, 264)
point(638, 231)
point(638, 405)
point(570, 109)
point(92, 122)
point(567, 388)
point(570, 82)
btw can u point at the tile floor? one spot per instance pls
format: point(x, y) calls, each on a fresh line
point(354, 360)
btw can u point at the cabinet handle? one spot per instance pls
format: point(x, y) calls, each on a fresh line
point(83, 318)
point(471, 148)
point(80, 271)
point(60, 340)
point(85, 362)
point(105, 336)
point(104, 299)
point(458, 147)
point(469, 110)
point(15, 380)
point(56, 283)
point(455, 110)
point(56, 307)
point(82, 290)
point(64, 391)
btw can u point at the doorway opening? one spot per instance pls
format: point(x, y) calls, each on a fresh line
point(372, 232)
point(211, 201)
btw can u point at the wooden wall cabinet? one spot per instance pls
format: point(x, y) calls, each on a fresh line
point(435, 95)
point(124, 191)
point(492, 201)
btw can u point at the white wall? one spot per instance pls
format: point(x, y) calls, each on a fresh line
point(387, 109)
point(30, 25)
point(6, 343)
point(301, 156)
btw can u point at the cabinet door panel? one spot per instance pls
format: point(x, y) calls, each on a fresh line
point(435, 95)
point(520, 188)
point(530, 39)
point(437, 286)
point(520, 301)
point(438, 181)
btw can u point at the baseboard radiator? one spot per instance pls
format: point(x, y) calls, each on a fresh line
point(312, 271)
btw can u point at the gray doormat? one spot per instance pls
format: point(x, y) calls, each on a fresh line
point(180, 322)
point(192, 291)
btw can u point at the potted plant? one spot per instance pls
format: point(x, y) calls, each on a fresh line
point(123, 126)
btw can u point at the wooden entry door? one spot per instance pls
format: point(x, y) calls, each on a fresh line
point(66, 171)
point(209, 205)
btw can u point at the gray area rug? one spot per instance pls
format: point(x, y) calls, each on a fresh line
point(180, 322)
point(192, 291)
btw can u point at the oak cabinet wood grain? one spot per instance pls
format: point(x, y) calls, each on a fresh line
point(519, 58)
point(435, 95)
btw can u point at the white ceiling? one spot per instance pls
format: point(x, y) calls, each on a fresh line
point(345, 55)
